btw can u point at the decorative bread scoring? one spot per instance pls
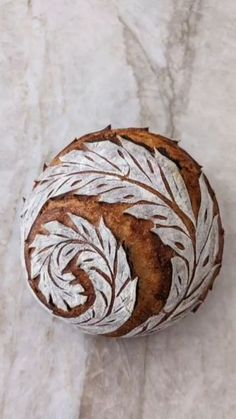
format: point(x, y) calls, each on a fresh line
point(122, 234)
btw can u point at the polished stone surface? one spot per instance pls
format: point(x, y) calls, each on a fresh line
point(71, 67)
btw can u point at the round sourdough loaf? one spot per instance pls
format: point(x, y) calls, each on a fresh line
point(122, 234)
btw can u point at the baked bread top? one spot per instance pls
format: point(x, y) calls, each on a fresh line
point(122, 234)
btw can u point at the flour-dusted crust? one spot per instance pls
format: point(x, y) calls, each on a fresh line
point(122, 234)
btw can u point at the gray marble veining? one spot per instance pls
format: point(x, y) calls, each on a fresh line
point(67, 68)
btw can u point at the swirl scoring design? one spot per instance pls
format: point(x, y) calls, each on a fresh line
point(126, 172)
point(99, 255)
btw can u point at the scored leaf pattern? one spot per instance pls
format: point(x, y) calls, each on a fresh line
point(126, 173)
point(99, 255)
point(122, 171)
point(186, 290)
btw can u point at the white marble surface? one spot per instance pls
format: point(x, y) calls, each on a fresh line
point(74, 66)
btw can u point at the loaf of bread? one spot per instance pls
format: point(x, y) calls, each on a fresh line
point(122, 234)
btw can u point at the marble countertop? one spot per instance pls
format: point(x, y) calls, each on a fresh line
point(72, 67)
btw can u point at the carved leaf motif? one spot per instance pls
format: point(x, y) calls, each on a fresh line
point(99, 255)
point(207, 247)
point(179, 284)
point(124, 172)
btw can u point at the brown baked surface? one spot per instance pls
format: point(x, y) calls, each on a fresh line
point(149, 258)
